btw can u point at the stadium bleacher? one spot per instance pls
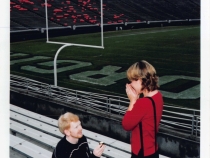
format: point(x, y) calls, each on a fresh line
point(42, 129)
point(27, 148)
point(31, 13)
point(23, 14)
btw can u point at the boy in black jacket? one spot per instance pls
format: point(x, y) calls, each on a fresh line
point(74, 144)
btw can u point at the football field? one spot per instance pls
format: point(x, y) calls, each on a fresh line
point(173, 51)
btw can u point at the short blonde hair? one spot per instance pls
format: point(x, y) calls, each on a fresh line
point(146, 72)
point(65, 120)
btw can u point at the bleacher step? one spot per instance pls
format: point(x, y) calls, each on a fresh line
point(42, 129)
point(28, 148)
point(89, 134)
point(54, 131)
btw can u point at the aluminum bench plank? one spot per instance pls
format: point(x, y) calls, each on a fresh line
point(34, 134)
point(112, 152)
point(55, 132)
point(36, 124)
point(28, 148)
point(89, 134)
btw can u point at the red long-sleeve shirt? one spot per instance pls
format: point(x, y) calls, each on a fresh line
point(143, 112)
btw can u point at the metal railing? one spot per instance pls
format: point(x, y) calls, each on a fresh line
point(177, 119)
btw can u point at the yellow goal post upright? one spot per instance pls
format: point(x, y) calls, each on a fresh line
point(71, 44)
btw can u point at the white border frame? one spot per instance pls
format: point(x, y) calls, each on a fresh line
point(5, 77)
point(205, 80)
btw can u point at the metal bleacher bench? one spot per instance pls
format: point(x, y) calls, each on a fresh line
point(28, 149)
point(45, 131)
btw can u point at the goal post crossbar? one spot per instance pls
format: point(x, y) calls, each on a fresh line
point(82, 45)
point(70, 44)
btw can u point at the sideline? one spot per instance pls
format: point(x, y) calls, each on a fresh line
point(149, 32)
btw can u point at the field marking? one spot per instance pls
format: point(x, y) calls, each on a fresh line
point(188, 72)
point(191, 93)
point(149, 32)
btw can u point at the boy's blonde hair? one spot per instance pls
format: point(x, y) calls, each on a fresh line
point(65, 120)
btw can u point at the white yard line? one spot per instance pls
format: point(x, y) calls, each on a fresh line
point(149, 32)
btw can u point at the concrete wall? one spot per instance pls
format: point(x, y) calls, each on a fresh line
point(169, 145)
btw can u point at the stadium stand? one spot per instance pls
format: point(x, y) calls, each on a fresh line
point(31, 13)
point(23, 15)
point(44, 130)
point(16, 26)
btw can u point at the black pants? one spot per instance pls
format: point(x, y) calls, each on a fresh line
point(155, 155)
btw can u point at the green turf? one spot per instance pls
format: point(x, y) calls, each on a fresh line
point(172, 51)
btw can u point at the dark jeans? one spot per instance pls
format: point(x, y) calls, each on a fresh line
point(155, 155)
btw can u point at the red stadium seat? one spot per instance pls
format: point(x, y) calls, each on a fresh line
point(48, 5)
point(22, 9)
point(66, 14)
point(17, 6)
point(59, 16)
point(57, 10)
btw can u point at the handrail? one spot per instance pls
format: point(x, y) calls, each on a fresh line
point(179, 119)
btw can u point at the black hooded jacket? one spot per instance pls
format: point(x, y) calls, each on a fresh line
point(65, 149)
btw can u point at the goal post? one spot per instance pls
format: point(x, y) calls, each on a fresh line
point(65, 44)
point(76, 44)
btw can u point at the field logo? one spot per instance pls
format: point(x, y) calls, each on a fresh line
point(104, 77)
point(28, 59)
point(77, 64)
point(190, 93)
